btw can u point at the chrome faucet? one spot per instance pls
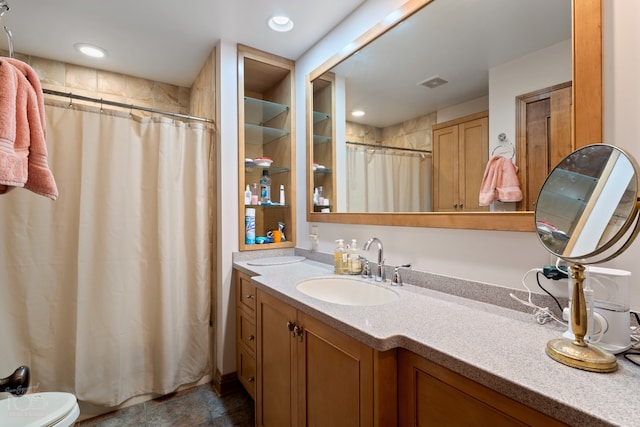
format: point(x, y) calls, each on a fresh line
point(380, 276)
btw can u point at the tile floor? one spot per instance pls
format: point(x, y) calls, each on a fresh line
point(196, 407)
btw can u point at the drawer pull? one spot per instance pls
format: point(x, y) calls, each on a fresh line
point(251, 338)
point(250, 296)
point(250, 379)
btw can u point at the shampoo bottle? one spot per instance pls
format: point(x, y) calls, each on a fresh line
point(338, 257)
point(282, 194)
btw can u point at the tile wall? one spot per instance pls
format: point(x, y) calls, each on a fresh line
point(116, 87)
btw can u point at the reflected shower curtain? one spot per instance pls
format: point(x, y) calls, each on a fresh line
point(105, 292)
point(384, 180)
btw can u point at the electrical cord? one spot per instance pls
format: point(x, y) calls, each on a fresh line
point(630, 355)
point(541, 314)
point(538, 273)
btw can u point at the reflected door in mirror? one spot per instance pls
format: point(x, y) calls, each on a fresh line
point(460, 153)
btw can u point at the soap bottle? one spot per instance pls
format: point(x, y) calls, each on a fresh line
point(355, 265)
point(265, 187)
point(338, 257)
point(247, 196)
point(282, 194)
point(316, 195)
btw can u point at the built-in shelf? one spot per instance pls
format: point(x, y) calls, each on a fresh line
point(260, 135)
point(321, 139)
point(260, 112)
point(324, 171)
point(273, 170)
point(319, 117)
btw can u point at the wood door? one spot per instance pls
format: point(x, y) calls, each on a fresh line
point(474, 154)
point(276, 359)
point(445, 169)
point(430, 395)
point(335, 379)
point(543, 132)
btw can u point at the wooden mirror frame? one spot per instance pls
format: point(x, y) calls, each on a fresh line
point(587, 122)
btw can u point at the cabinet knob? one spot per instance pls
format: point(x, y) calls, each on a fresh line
point(251, 338)
point(250, 296)
point(250, 379)
point(461, 206)
point(298, 332)
point(291, 326)
point(455, 206)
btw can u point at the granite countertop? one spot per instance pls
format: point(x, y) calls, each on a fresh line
point(501, 348)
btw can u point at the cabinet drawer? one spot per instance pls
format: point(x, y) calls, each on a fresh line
point(246, 331)
point(247, 371)
point(246, 293)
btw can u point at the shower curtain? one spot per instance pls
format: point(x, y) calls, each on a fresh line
point(105, 293)
point(386, 180)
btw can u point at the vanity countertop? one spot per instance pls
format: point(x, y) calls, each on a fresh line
point(501, 348)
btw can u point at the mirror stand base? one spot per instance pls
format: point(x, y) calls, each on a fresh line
point(588, 357)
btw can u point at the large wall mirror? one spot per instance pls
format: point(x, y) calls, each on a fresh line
point(446, 86)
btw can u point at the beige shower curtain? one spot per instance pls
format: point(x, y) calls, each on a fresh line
point(105, 292)
point(386, 180)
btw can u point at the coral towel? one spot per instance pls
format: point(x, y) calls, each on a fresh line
point(23, 148)
point(500, 182)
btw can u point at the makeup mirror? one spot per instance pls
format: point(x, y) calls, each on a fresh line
point(587, 213)
point(326, 120)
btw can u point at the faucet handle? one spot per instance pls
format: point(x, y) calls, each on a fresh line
point(366, 270)
point(397, 278)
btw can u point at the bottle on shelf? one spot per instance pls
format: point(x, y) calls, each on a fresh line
point(247, 196)
point(265, 187)
point(315, 196)
point(339, 257)
point(282, 194)
point(250, 226)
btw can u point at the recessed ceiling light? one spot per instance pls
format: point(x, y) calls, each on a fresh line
point(280, 23)
point(90, 50)
point(357, 113)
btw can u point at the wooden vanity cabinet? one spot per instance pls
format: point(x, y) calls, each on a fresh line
point(431, 395)
point(310, 374)
point(460, 156)
point(246, 337)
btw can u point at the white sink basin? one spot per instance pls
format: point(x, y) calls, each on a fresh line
point(347, 291)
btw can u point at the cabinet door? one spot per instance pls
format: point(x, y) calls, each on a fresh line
point(335, 377)
point(430, 395)
point(445, 169)
point(276, 385)
point(473, 138)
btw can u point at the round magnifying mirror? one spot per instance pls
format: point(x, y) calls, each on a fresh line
point(584, 215)
point(588, 203)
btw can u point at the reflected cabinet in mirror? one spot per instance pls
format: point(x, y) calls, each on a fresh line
point(452, 114)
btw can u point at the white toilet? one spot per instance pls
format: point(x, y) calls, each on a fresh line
point(47, 409)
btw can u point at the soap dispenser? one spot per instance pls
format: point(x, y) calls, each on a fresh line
point(355, 264)
point(339, 257)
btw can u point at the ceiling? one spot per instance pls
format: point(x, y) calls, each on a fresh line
point(163, 40)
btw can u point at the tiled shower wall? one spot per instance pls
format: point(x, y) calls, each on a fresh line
point(116, 87)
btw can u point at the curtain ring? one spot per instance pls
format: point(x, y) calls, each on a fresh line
point(70, 100)
point(101, 109)
point(130, 110)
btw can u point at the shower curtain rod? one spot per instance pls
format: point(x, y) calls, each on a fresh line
point(101, 101)
point(413, 150)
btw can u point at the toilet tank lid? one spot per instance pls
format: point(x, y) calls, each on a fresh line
point(36, 409)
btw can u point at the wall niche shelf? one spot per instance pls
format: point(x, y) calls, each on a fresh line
point(266, 129)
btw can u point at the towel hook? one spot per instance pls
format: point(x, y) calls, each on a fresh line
point(4, 7)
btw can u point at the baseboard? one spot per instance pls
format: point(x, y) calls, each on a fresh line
point(226, 384)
